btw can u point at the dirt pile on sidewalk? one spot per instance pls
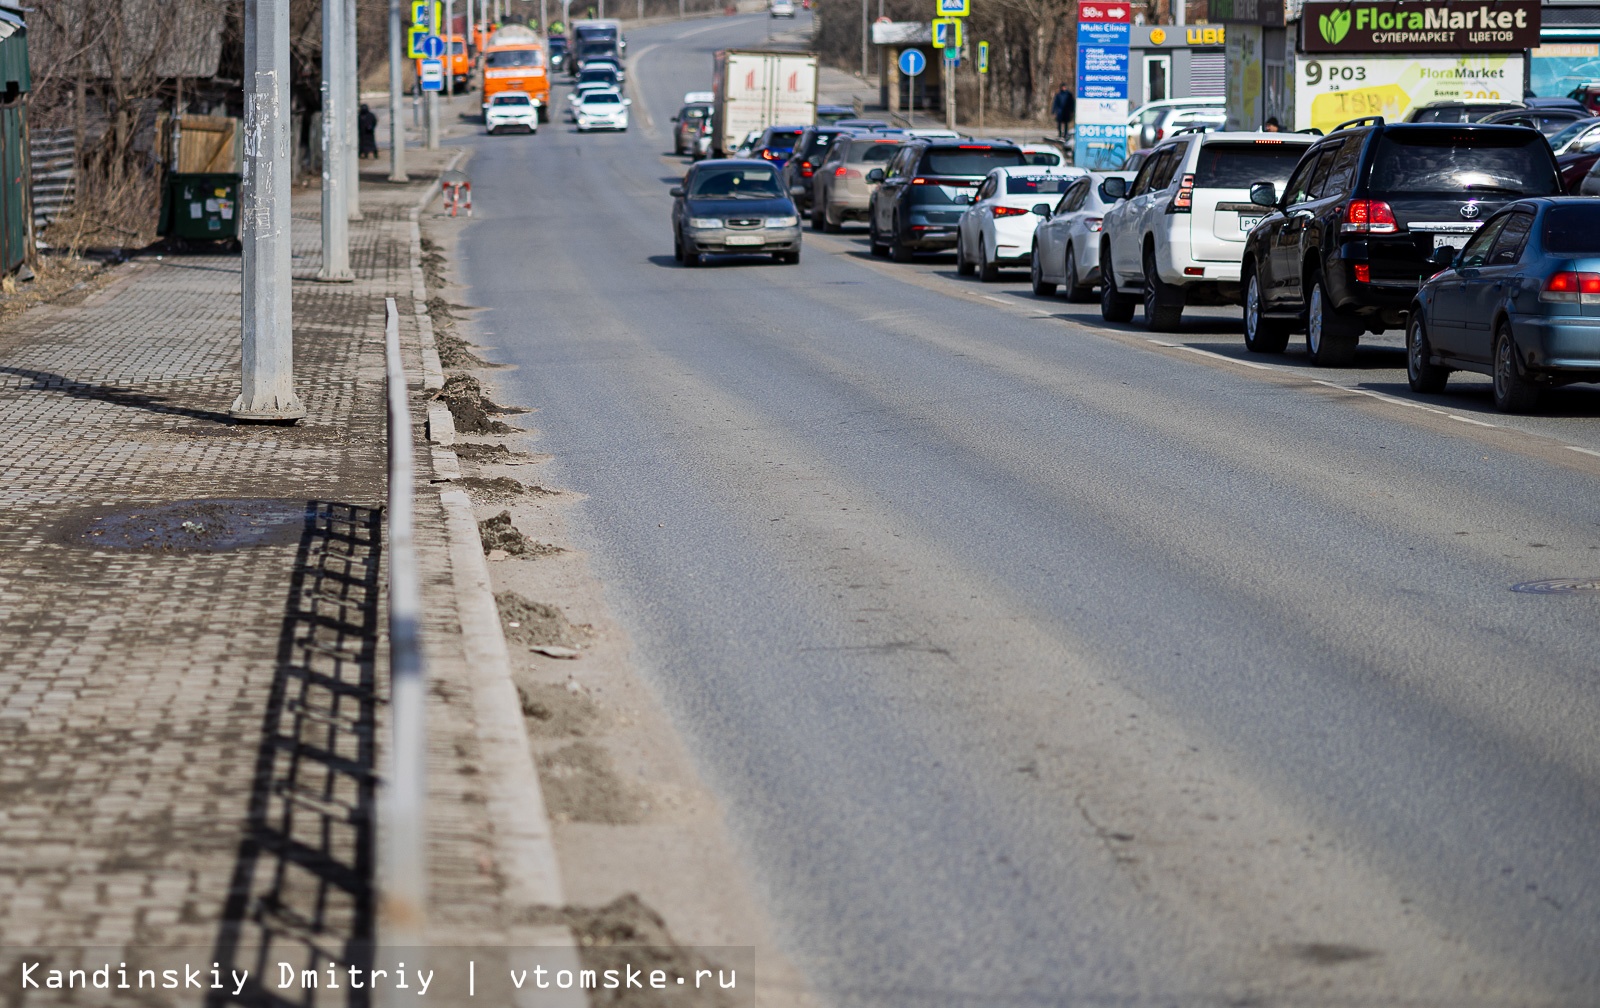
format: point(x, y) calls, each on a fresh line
point(627, 932)
point(464, 397)
point(533, 623)
point(498, 533)
point(580, 785)
point(554, 710)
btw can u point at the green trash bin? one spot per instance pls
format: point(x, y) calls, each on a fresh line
point(201, 207)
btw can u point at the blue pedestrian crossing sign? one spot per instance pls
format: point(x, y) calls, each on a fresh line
point(946, 33)
point(912, 62)
point(432, 46)
point(952, 8)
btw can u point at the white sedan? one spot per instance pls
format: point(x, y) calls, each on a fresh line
point(996, 231)
point(602, 110)
point(1066, 246)
point(511, 110)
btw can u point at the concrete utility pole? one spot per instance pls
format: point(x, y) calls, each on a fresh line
point(335, 176)
point(949, 94)
point(865, 31)
point(397, 127)
point(352, 135)
point(267, 389)
point(430, 99)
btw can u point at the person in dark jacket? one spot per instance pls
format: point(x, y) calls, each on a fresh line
point(1063, 108)
point(367, 131)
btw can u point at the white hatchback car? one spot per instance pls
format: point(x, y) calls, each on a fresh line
point(1066, 246)
point(996, 231)
point(602, 110)
point(511, 110)
point(782, 8)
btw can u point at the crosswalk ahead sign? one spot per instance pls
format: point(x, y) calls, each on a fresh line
point(952, 8)
point(946, 33)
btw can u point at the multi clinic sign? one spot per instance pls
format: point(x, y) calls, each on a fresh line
point(1456, 26)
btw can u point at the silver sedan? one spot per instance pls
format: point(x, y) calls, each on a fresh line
point(1066, 246)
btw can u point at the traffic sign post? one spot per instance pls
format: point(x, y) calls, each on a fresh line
point(911, 63)
point(983, 72)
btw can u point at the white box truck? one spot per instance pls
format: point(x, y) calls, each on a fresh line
point(755, 89)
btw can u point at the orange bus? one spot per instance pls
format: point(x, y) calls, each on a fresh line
point(514, 60)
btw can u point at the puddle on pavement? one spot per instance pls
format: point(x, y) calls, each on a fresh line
point(208, 525)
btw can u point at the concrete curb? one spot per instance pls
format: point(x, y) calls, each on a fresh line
point(432, 368)
point(524, 842)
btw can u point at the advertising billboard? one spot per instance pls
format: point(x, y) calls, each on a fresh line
point(1428, 26)
point(1332, 90)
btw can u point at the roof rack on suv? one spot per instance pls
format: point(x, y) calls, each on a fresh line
point(1196, 128)
point(1311, 130)
point(1362, 121)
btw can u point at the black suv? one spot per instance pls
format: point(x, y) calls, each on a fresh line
point(924, 191)
point(1343, 249)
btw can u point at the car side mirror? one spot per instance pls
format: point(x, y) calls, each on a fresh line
point(1113, 189)
point(1042, 209)
point(875, 175)
point(627, 101)
point(675, 191)
point(1443, 257)
point(673, 119)
point(1264, 194)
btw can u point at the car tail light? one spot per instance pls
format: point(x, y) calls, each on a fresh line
point(1093, 223)
point(1572, 288)
point(1184, 201)
point(841, 172)
point(919, 181)
point(769, 155)
point(1363, 272)
point(1369, 217)
point(806, 169)
point(1009, 211)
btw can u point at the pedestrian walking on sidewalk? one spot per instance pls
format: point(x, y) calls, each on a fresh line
point(1063, 108)
point(367, 128)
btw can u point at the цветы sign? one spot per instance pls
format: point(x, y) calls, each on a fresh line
point(1437, 26)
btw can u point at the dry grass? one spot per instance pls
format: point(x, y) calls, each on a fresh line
point(57, 278)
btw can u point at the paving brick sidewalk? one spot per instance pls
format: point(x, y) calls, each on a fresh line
point(189, 716)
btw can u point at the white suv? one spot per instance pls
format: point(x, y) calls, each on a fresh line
point(1176, 235)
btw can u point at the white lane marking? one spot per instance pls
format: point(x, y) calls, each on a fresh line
point(1225, 357)
point(1404, 402)
point(996, 300)
point(1586, 451)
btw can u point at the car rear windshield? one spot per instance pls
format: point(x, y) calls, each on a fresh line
point(872, 151)
point(937, 195)
point(514, 58)
point(735, 182)
point(1045, 159)
point(1241, 165)
point(782, 139)
point(819, 142)
point(969, 160)
point(602, 98)
point(590, 76)
point(1484, 160)
point(511, 99)
point(1041, 185)
point(1573, 229)
point(558, 44)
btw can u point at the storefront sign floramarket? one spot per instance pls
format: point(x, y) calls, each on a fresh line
point(1388, 26)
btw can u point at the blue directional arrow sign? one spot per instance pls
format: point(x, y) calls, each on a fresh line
point(433, 47)
point(912, 62)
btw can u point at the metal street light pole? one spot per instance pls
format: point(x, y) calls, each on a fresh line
point(430, 99)
point(397, 127)
point(267, 333)
point(335, 176)
point(348, 125)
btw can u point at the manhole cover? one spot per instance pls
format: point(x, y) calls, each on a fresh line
point(195, 525)
point(1559, 586)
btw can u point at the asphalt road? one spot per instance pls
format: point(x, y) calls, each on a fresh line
point(1046, 662)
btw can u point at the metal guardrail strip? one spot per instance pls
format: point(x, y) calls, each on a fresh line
point(403, 842)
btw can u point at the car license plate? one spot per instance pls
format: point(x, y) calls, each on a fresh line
point(1248, 223)
point(1451, 240)
point(746, 240)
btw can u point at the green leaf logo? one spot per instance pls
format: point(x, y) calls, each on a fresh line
point(1334, 26)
